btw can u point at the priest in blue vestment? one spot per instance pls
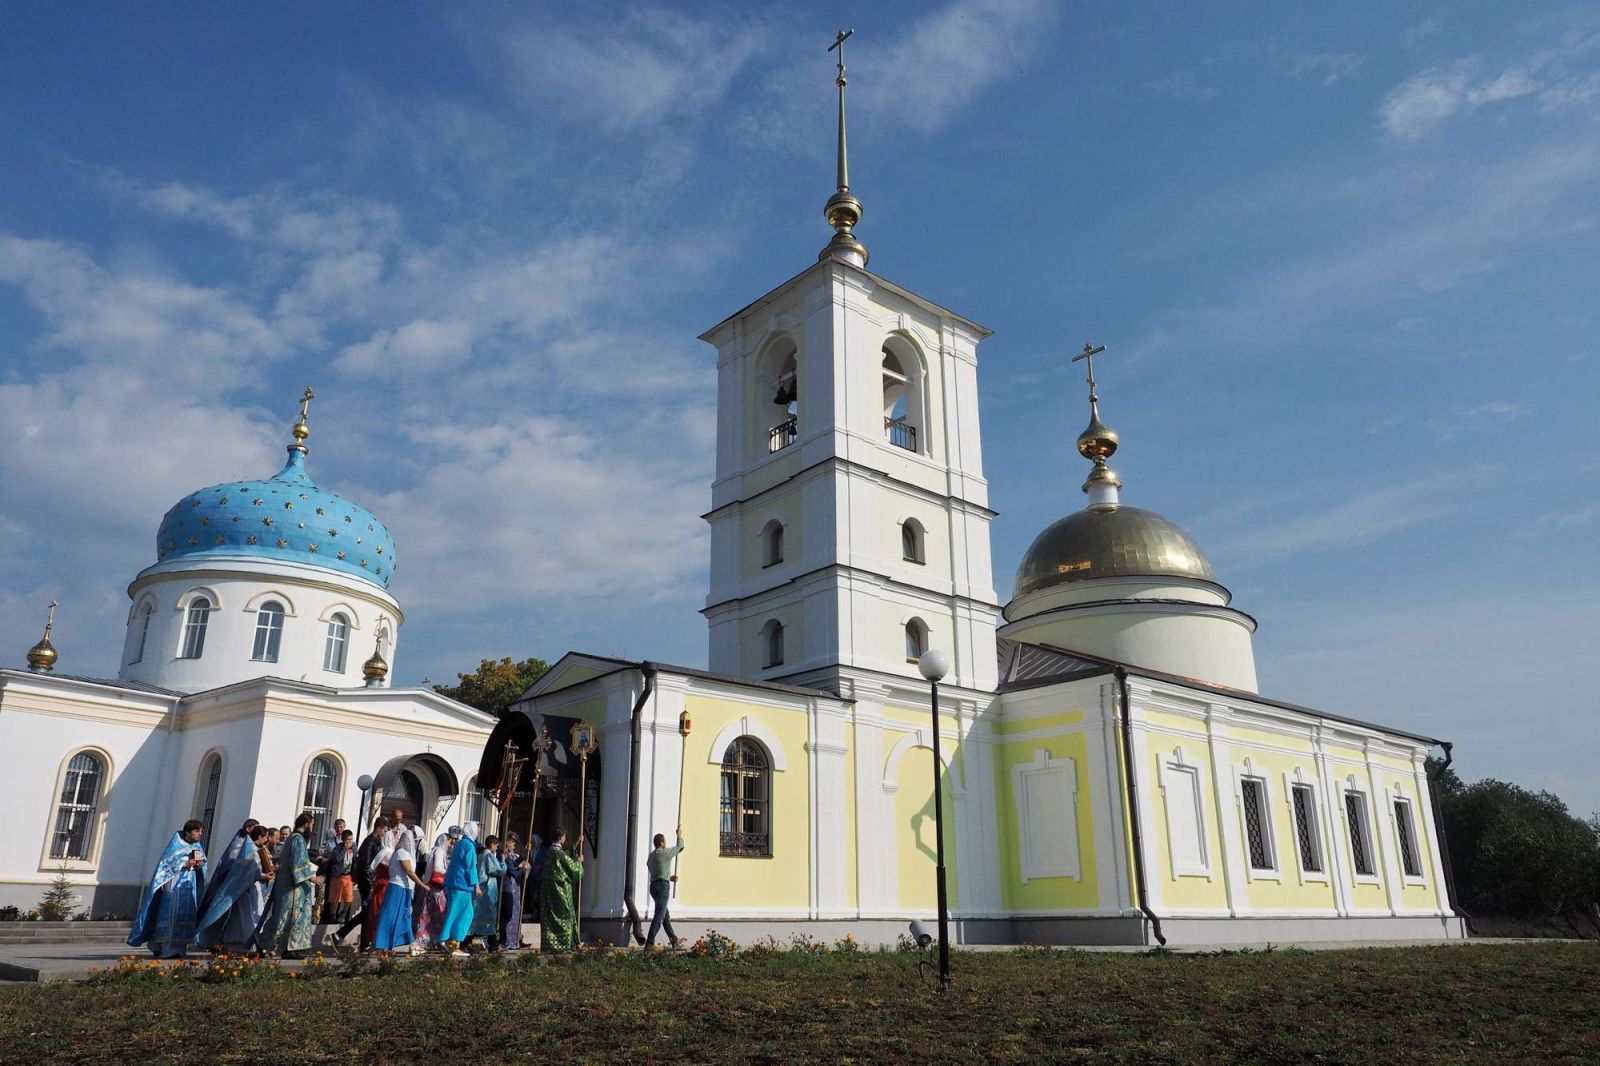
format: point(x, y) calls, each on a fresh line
point(170, 904)
point(234, 901)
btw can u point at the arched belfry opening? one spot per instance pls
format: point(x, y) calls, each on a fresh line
point(778, 397)
point(904, 421)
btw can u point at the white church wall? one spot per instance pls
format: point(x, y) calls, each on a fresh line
point(1208, 644)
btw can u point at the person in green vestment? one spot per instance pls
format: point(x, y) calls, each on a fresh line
point(287, 929)
point(558, 903)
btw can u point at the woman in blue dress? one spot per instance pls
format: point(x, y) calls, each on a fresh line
point(394, 919)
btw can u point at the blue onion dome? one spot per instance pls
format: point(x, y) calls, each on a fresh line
point(284, 518)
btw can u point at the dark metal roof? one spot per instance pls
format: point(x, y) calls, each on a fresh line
point(107, 682)
point(1024, 666)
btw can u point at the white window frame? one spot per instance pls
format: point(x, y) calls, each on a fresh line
point(1176, 772)
point(267, 644)
point(339, 618)
point(1030, 865)
point(1272, 871)
point(335, 792)
point(143, 614)
point(1364, 826)
point(98, 814)
point(1292, 783)
point(1403, 830)
point(192, 635)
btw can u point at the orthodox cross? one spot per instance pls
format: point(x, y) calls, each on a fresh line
point(51, 620)
point(1088, 353)
point(305, 402)
point(838, 42)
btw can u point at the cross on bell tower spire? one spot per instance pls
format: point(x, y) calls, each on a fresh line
point(843, 210)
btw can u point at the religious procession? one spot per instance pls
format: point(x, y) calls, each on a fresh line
point(272, 887)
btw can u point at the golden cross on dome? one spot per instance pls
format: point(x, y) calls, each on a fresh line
point(1088, 353)
point(50, 620)
point(300, 430)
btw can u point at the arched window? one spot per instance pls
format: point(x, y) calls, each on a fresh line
point(902, 395)
point(746, 799)
point(912, 541)
point(143, 623)
point(194, 628)
point(779, 400)
point(322, 791)
point(916, 639)
point(772, 640)
point(210, 789)
point(477, 805)
point(269, 632)
point(772, 543)
point(333, 652)
point(73, 838)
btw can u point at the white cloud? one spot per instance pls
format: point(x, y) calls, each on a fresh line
point(1325, 68)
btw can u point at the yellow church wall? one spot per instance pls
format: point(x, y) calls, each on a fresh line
point(1282, 888)
point(1047, 893)
point(894, 507)
point(893, 715)
point(915, 839)
point(1424, 893)
point(892, 625)
point(781, 881)
point(1184, 891)
point(754, 650)
point(1042, 722)
point(572, 675)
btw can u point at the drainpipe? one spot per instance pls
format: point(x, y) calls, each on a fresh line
point(629, 874)
point(1133, 806)
point(1444, 843)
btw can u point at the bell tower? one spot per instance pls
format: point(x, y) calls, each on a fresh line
point(849, 516)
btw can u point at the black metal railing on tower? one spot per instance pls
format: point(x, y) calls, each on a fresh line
point(783, 434)
point(901, 434)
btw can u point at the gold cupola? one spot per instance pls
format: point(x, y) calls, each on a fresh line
point(843, 210)
point(376, 668)
point(42, 656)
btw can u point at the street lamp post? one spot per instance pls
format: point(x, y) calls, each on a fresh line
point(364, 782)
point(934, 666)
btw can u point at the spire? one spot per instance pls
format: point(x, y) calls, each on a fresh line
point(1098, 442)
point(42, 656)
point(300, 430)
point(843, 211)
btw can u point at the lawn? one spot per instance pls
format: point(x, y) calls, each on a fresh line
point(1489, 1004)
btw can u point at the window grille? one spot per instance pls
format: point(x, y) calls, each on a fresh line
point(746, 800)
point(783, 434)
point(1410, 860)
point(75, 814)
point(194, 628)
point(1305, 827)
point(269, 632)
point(333, 652)
point(322, 785)
point(211, 775)
point(901, 434)
point(1360, 842)
point(1255, 830)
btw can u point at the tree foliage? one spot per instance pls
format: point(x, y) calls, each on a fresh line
point(1520, 853)
point(496, 684)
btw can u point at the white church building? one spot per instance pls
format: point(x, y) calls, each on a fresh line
point(253, 684)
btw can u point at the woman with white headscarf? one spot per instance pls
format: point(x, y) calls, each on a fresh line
point(462, 886)
point(430, 922)
point(394, 920)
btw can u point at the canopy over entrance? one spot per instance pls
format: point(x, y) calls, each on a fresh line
point(423, 786)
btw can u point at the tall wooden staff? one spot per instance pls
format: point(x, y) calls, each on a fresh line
point(582, 744)
point(506, 790)
point(541, 754)
point(685, 724)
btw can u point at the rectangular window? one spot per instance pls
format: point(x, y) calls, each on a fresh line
point(1410, 859)
point(1355, 812)
point(1257, 831)
point(1305, 829)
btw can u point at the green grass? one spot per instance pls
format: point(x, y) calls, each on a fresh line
point(1490, 1004)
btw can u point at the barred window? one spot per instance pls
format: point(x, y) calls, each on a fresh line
point(1355, 812)
point(194, 628)
point(269, 632)
point(322, 789)
point(1305, 828)
point(210, 789)
point(1410, 859)
point(746, 799)
point(75, 814)
point(333, 652)
point(1252, 793)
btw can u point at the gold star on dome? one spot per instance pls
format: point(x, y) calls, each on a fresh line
point(251, 539)
point(282, 543)
point(266, 521)
point(313, 547)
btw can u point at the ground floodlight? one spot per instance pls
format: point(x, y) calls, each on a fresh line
point(920, 934)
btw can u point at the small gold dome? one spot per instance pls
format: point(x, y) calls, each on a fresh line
point(375, 668)
point(42, 656)
point(1118, 542)
point(1097, 441)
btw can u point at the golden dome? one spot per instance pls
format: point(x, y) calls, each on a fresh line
point(42, 656)
point(1118, 542)
point(375, 668)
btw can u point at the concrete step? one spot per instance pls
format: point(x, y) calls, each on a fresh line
point(62, 932)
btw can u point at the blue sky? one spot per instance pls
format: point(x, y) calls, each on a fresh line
point(1345, 258)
